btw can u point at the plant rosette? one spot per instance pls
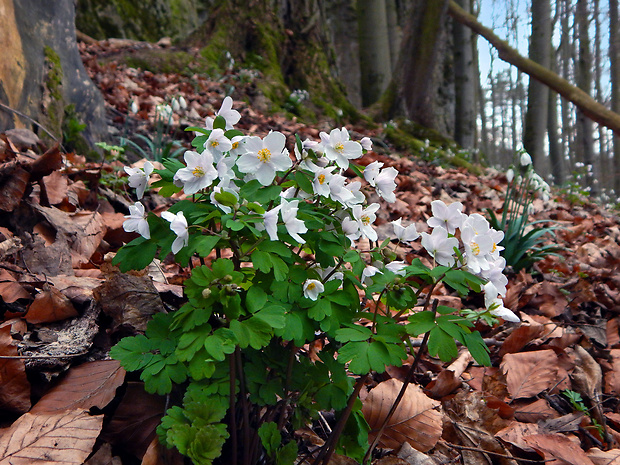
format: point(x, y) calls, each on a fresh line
point(240, 345)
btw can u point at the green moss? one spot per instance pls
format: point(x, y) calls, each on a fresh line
point(54, 74)
point(160, 61)
point(52, 93)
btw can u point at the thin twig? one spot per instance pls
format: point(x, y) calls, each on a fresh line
point(27, 357)
point(19, 113)
point(496, 454)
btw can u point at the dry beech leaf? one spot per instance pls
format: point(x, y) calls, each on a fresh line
point(415, 421)
point(558, 449)
point(519, 337)
point(604, 457)
point(157, 454)
point(533, 412)
point(613, 334)
point(14, 385)
point(50, 305)
point(515, 432)
point(13, 182)
point(92, 384)
point(530, 373)
point(104, 457)
point(54, 186)
point(612, 377)
point(10, 289)
point(65, 438)
point(587, 375)
point(47, 163)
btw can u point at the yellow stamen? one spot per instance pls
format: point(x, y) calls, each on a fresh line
point(366, 220)
point(321, 178)
point(235, 145)
point(264, 155)
point(214, 143)
point(494, 247)
point(475, 248)
point(198, 172)
point(339, 147)
point(311, 286)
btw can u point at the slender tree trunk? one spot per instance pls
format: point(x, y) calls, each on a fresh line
point(614, 55)
point(538, 93)
point(393, 29)
point(585, 138)
point(555, 148)
point(565, 50)
point(374, 49)
point(464, 82)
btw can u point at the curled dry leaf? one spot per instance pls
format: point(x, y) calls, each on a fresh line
point(50, 305)
point(14, 385)
point(65, 438)
point(416, 420)
point(10, 289)
point(530, 373)
point(604, 457)
point(587, 375)
point(558, 448)
point(612, 377)
point(91, 384)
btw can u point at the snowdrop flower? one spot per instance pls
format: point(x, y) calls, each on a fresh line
point(385, 185)
point(448, 217)
point(339, 148)
point(440, 246)
point(312, 289)
point(176, 106)
point(265, 157)
point(178, 225)
point(136, 221)
point(366, 143)
point(404, 234)
point(198, 174)
point(134, 108)
point(182, 103)
point(525, 159)
point(368, 273)
point(231, 116)
point(510, 174)
point(371, 171)
point(294, 226)
point(217, 143)
point(397, 267)
point(139, 178)
point(365, 217)
point(163, 111)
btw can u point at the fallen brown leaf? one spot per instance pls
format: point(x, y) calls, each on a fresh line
point(558, 448)
point(65, 438)
point(530, 373)
point(50, 305)
point(92, 384)
point(14, 385)
point(604, 457)
point(416, 420)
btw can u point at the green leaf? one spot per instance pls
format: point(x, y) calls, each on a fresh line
point(287, 455)
point(357, 354)
point(226, 198)
point(232, 133)
point(136, 255)
point(221, 343)
point(304, 182)
point(203, 245)
point(255, 299)
point(134, 353)
point(477, 348)
point(219, 123)
point(442, 344)
point(272, 316)
point(321, 309)
point(420, 323)
point(270, 437)
point(253, 332)
point(261, 261)
point(280, 269)
point(354, 333)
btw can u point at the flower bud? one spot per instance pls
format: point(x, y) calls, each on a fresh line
point(206, 292)
point(228, 278)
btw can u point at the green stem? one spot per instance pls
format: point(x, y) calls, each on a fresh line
point(232, 410)
point(401, 394)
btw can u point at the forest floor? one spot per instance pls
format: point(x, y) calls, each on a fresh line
point(64, 305)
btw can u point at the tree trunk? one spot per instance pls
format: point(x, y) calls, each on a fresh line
point(394, 31)
point(585, 139)
point(538, 93)
point(465, 77)
point(375, 62)
point(590, 107)
point(614, 55)
point(42, 75)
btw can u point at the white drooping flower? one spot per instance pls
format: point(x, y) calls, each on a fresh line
point(366, 143)
point(495, 275)
point(385, 184)
point(397, 267)
point(217, 143)
point(365, 217)
point(404, 234)
point(265, 157)
point(313, 288)
point(328, 273)
point(134, 107)
point(198, 174)
point(339, 148)
point(338, 191)
point(371, 171)
point(231, 116)
point(178, 225)
point(440, 246)
point(368, 273)
point(270, 220)
point(351, 229)
point(294, 226)
point(495, 305)
point(525, 159)
point(136, 221)
point(139, 178)
point(510, 174)
point(449, 217)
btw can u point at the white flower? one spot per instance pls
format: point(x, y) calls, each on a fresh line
point(237, 146)
point(231, 116)
point(339, 148)
point(329, 271)
point(217, 143)
point(270, 219)
point(139, 178)
point(510, 174)
point(525, 159)
point(368, 273)
point(385, 185)
point(294, 226)
point(136, 221)
point(365, 218)
point(176, 106)
point(397, 267)
point(404, 234)
point(371, 171)
point(312, 289)
point(366, 143)
point(351, 229)
point(134, 108)
point(496, 308)
point(496, 276)
point(198, 174)
point(163, 111)
point(265, 157)
point(182, 103)
point(357, 196)
point(338, 191)
point(440, 246)
point(449, 217)
point(320, 184)
point(178, 225)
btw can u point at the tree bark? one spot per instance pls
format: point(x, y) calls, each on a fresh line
point(590, 107)
point(614, 55)
point(375, 62)
point(465, 77)
point(538, 93)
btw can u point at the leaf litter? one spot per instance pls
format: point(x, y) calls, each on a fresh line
point(62, 401)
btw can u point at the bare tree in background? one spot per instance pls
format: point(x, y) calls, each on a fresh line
point(614, 55)
point(465, 78)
